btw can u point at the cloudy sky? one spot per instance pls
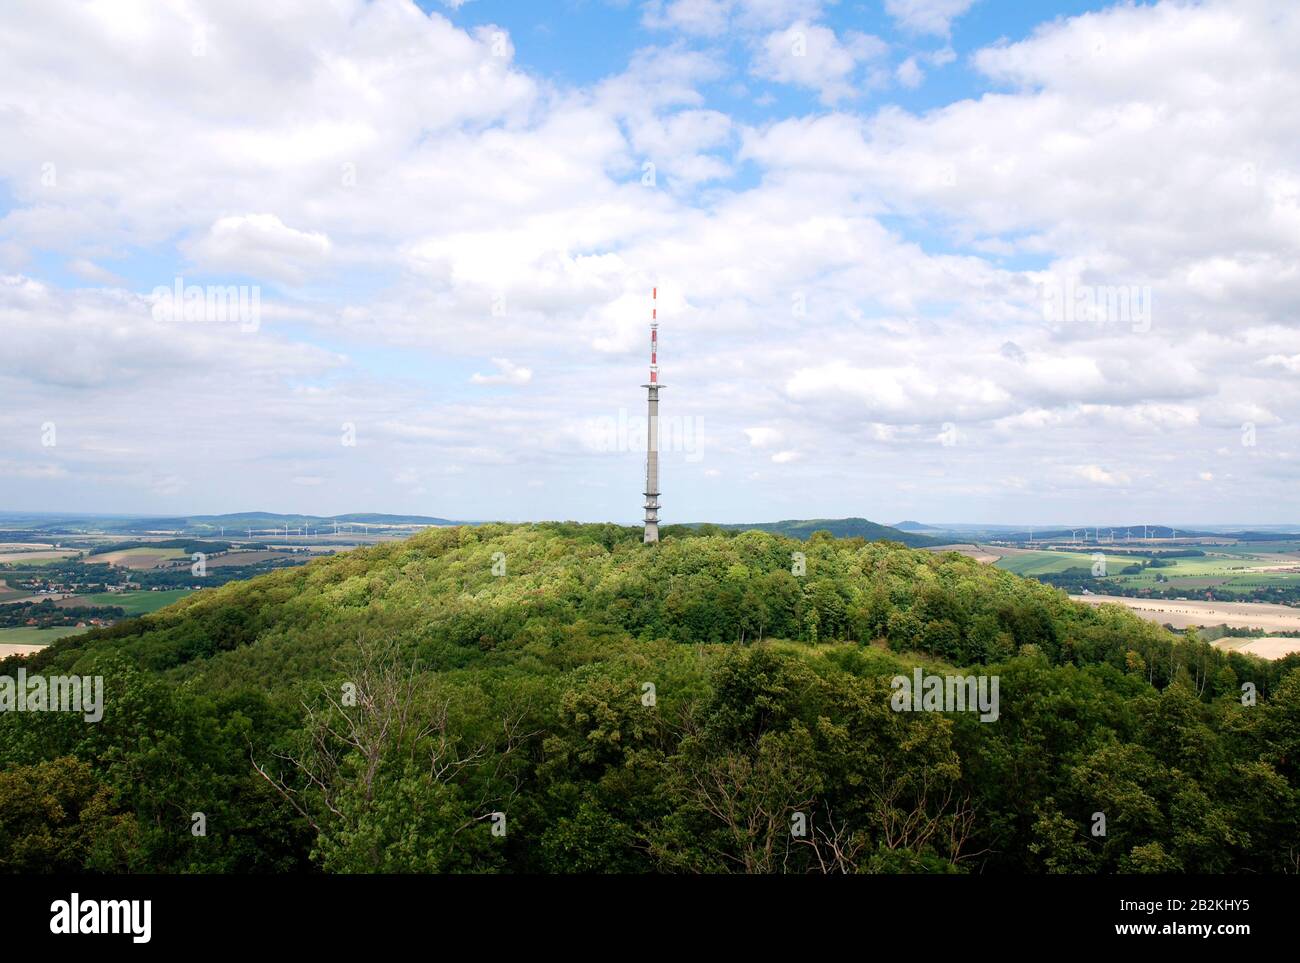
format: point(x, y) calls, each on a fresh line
point(940, 259)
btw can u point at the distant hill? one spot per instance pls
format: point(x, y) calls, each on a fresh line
point(232, 524)
point(1119, 534)
point(57, 524)
point(911, 526)
point(840, 528)
point(274, 520)
point(201, 524)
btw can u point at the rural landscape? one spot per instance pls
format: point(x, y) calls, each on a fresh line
point(1240, 590)
point(61, 576)
point(627, 710)
point(96, 571)
point(631, 710)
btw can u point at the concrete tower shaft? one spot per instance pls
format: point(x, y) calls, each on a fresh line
point(652, 429)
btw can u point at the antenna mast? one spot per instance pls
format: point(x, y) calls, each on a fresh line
point(652, 428)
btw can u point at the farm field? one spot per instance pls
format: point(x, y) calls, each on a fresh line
point(1235, 567)
point(1268, 647)
point(1184, 614)
point(133, 603)
point(28, 597)
point(139, 558)
point(1046, 563)
point(42, 557)
point(981, 553)
point(23, 639)
point(244, 558)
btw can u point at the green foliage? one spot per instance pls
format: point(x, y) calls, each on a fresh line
point(677, 708)
point(810, 528)
point(56, 817)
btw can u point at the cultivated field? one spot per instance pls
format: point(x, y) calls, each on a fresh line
point(1026, 562)
point(139, 558)
point(243, 558)
point(133, 603)
point(38, 557)
point(24, 639)
point(1181, 615)
point(1236, 567)
point(7, 649)
point(28, 597)
point(983, 554)
point(1268, 647)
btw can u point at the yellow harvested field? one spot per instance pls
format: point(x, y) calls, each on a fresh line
point(1268, 647)
point(55, 598)
point(1181, 615)
point(44, 554)
point(15, 648)
point(983, 554)
point(139, 558)
point(244, 558)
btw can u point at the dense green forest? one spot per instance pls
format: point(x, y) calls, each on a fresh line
point(839, 527)
point(561, 698)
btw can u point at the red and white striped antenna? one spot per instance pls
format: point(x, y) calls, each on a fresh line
point(654, 335)
point(652, 428)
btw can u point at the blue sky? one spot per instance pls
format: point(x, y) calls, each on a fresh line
point(584, 41)
point(865, 221)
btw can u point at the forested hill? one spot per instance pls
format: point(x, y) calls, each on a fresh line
point(561, 698)
point(838, 527)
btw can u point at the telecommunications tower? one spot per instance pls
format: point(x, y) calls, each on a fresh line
point(652, 429)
